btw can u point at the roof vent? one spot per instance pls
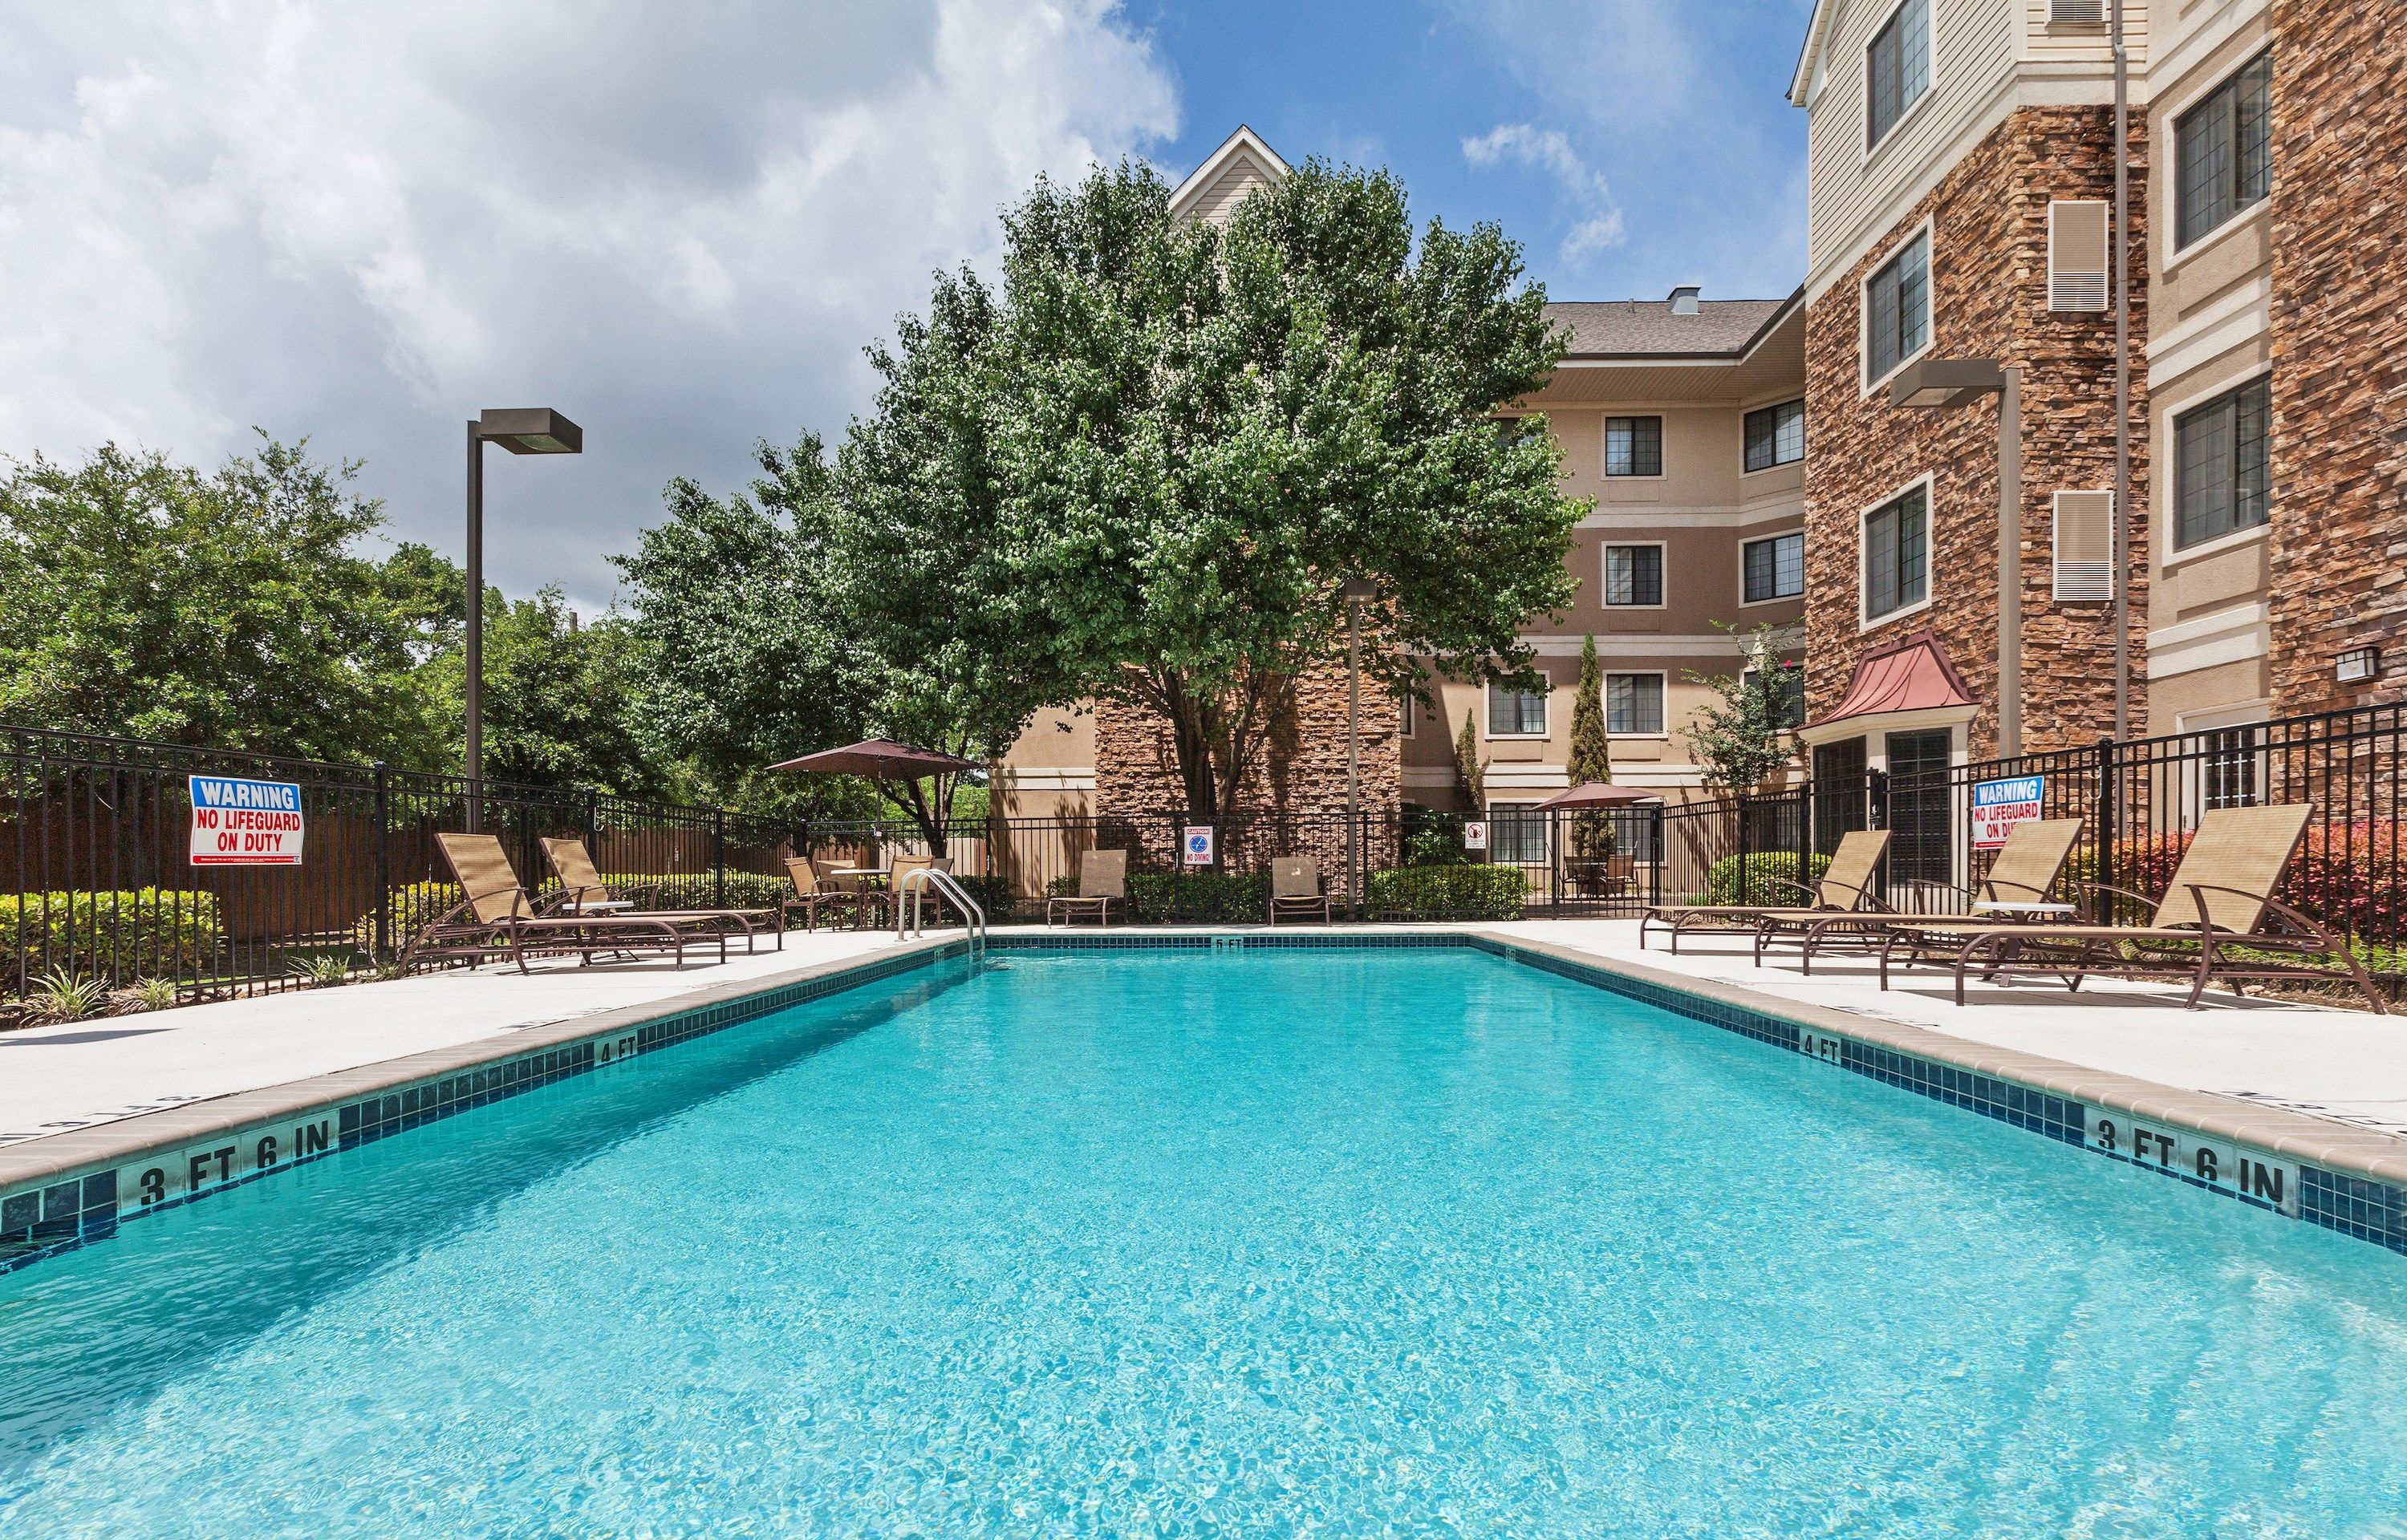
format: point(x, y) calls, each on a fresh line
point(1684, 298)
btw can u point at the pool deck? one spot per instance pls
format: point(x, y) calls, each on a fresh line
point(2342, 1065)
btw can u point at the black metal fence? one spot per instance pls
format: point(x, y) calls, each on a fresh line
point(97, 880)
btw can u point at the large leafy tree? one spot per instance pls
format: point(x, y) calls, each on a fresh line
point(1166, 445)
point(231, 609)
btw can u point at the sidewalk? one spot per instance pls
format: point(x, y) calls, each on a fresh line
point(54, 1079)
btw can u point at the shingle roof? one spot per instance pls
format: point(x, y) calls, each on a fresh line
point(1648, 328)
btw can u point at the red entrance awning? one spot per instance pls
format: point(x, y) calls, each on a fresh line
point(1912, 673)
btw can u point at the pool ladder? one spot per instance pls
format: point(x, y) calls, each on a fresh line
point(914, 884)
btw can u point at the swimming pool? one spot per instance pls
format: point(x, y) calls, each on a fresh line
point(1250, 1241)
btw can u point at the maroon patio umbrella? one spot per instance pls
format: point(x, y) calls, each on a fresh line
point(1596, 794)
point(883, 759)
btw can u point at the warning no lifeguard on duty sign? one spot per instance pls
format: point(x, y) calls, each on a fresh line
point(238, 823)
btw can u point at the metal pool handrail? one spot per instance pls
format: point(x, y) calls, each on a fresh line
point(926, 877)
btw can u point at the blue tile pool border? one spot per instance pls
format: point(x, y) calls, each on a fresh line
point(46, 1218)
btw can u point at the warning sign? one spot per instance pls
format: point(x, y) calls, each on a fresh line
point(239, 823)
point(1474, 834)
point(1196, 844)
point(1998, 806)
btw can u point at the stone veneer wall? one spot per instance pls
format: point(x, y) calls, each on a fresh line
point(2339, 350)
point(1302, 771)
point(1989, 299)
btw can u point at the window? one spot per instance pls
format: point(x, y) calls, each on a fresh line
point(1405, 700)
point(1776, 435)
point(1517, 835)
point(2228, 766)
point(1633, 447)
point(2219, 465)
point(1897, 68)
point(1515, 713)
point(1633, 576)
point(1788, 693)
point(1897, 309)
point(2224, 148)
point(1774, 568)
point(1633, 703)
point(1896, 555)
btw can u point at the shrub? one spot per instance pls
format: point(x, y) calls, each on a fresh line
point(1767, 878)
point(1203, 898)
point(2352, 874)
point(111, 935)
point(1433, 837)
point(1447, 892)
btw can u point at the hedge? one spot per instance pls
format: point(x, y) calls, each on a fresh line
point(119, 934)
point(1768, 876)
point(1202, 898)
point(1447, 892)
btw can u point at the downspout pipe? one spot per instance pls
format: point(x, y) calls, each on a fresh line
point(2122, 372)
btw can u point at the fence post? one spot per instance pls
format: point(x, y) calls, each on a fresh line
point(383, 865)
point(2107, 814)
point(1745, 861)
point(1656, 855)
point(719, 857)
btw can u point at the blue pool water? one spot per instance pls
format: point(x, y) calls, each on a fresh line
point(1271, 1243)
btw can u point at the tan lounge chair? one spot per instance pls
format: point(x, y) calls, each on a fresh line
point(1103, 881)
point(581, 885)
point(497, 919)
point(2024, 873)
point(1295, 888)
point(2219, 901)
point(1844, 888)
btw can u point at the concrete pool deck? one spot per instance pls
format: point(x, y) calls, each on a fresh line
point(2343, 1066)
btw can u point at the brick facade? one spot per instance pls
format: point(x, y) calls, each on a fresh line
point(2339, 351)
point(1988, 300)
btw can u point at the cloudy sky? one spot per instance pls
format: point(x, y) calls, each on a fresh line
point(679, 224)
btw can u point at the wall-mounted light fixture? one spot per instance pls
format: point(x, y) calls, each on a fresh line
point(2357, 665)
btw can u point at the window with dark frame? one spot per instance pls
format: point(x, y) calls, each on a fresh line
point(1517, 834)
point(1515, 713)
point(1897, 308)
point(1633, 703)
point(1633, 447)
point(1897, 68)
point(1897, 551)
point(1633, 576)
point(2219, 478)
point(2228, 767)
point(2224, 151)
point(1776, 435)
point(1789, 686)
point(1773, 567)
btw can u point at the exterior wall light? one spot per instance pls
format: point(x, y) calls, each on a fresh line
point(2357, 665)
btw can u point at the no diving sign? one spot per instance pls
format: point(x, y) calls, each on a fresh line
point(239, 823)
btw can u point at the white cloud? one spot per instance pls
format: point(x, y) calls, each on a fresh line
point(1596, 222)
point(364, 222)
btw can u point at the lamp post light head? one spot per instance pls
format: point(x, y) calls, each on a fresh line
point(1359, 590)
point(1938, 384)
point(530, 430)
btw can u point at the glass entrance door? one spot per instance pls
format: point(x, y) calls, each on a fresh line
point(1921, 843)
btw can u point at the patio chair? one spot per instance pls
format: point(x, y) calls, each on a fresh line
point(2020, 882)
point(582, 889)
point(1103, 881)
point(1295, 888)
point(885, 899)
point(497, 919)
point(1844, 888)
point(2211, 922)
point(814, 895)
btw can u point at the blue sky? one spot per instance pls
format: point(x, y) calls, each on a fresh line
point(360, 224)
point(1671, 114)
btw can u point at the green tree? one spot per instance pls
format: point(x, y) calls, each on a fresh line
point(231, 609)
point(1745, 734)
point(1160, 450)
point(1591, 757)
point(558, 698)
point(1469, 771)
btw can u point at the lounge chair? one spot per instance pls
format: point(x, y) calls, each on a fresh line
point(581, 887)
point(2022, 878)
point(2211, 923)
point(814, 895)
point(1295, 888)
point(1103, 881)
point(1844, 888)
point(890, 895)
point(497, 919)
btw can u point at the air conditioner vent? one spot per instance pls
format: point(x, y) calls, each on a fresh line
point(2076, 254)
point(2076, 13)
point(2085, 547)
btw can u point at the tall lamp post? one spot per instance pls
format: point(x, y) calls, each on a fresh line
point(1357, 592)
point(1942, 385)
point(521, 431)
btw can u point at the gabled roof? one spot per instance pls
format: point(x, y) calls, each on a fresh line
point(1913, 673)
point(1652, 329)
point(1244, 145)
point(1817, 33)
